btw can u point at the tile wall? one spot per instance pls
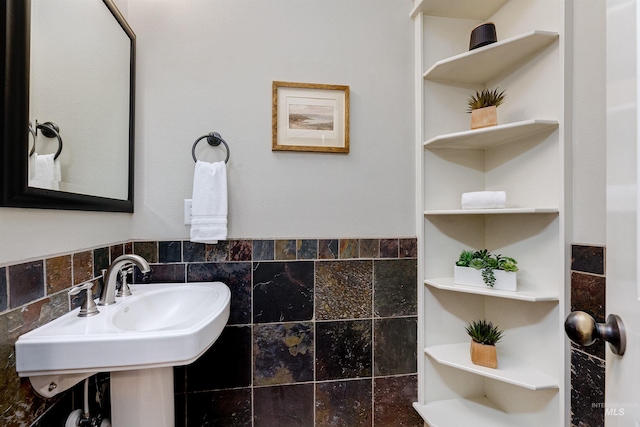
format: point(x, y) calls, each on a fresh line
point(588, 363)
point(321, 332)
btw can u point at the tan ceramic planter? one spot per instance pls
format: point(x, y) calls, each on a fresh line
point(484, 117)
point(484, 355)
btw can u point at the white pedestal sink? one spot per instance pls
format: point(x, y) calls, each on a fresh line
point(139, 340)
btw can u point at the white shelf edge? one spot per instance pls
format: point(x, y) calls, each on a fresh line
point(503, 211)
point(469, 9)
point(480, 65)
point(509, 370)
point(491, 136)
point(446, 284)
point(476, 412)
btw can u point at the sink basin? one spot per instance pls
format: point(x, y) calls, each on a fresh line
point(160, 325)
point(174, 308)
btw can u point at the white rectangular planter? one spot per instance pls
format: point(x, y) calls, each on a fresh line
point(505, 280)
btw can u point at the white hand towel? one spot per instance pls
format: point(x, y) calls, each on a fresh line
point(209, 203)
point(484, 200)
point(45, 172)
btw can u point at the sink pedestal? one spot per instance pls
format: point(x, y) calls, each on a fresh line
point(142, 398)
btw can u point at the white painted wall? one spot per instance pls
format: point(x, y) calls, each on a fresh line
point(27, 234)
point(589, 124)
point(208, 65)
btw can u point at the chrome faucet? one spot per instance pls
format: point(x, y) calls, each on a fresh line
point(110, 278)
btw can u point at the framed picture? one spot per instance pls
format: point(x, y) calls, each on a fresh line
point(310, 117)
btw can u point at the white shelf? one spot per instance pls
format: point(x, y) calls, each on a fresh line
point(492, 136)
point(476, 412)
point(503, 211)
point(482, 64)
point(523, 157)
point(522, 294)
point(509, 370)
point(464, 9)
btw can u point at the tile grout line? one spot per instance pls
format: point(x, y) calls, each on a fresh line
point(251, 383)
point(373, 337)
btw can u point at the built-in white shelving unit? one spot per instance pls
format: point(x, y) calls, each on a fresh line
point(481, 65)
point(524, 293)
point(492, 136)
point(511, 371)
point(459, 412)
point(504, 211)
point(528, 156)
point(464, 9)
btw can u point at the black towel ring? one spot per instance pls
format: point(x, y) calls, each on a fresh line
point(214, 139)
point(50, 130)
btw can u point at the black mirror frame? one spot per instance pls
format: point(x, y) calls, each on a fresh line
point(14, 121)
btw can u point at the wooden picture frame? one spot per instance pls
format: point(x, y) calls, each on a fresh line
point(310, 117)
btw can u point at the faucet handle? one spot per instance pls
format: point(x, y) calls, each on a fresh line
point(124, 290)
point(88, 307)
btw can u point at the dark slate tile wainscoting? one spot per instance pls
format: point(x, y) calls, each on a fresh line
point(322, 331)
point(588, 363)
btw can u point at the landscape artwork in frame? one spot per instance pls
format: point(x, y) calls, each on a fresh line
point(310, 117)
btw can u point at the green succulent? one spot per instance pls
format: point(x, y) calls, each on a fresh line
point(485, 98)
point(465, 259)
point(485, 261)
point(508, 264)
point(484, 332)
point(477, 263)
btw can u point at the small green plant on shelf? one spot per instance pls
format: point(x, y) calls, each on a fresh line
point(484, 332)
point(485, 98)
point(486, 262)
point(484, 336)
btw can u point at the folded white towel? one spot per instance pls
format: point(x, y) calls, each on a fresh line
point(484, 200)
point(45, 172)
point(209, 203)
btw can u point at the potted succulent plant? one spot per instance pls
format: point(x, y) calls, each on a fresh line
point(484, 336)
point(483, 107)
point(481, 268)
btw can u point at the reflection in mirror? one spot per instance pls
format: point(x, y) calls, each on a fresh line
point(67, 134)
point(79, 79)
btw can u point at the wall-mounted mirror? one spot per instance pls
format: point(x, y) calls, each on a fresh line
point(67, 115)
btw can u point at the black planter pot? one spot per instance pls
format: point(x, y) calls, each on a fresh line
point(483, 35)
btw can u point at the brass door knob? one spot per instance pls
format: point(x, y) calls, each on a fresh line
point(583, 330)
